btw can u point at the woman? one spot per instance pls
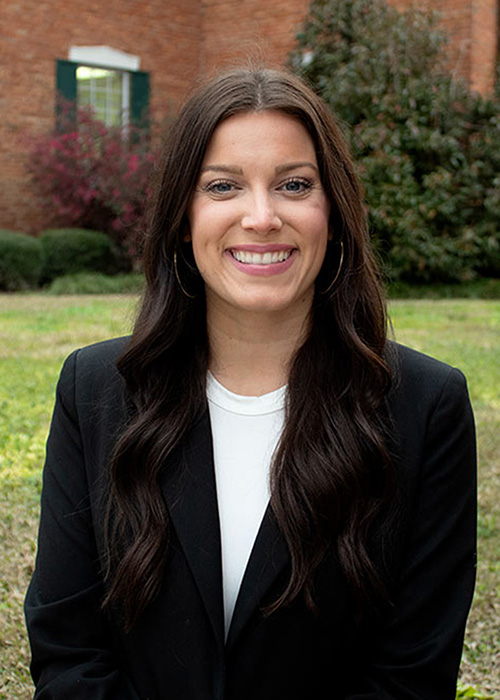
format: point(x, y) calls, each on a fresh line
point(255, 496)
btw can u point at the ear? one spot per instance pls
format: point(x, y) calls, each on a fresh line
point(186, 238)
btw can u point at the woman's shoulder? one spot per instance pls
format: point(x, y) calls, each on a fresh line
point(102, 352)
point(420, 380)
point(92, 369)
point(99, 356)
point(410, 365)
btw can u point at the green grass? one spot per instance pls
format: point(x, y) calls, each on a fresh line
point(37, 331)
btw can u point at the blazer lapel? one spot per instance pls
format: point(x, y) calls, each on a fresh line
point(268, 559)
point(190, 493)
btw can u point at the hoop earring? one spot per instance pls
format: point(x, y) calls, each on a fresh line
point(189, 296)
point(338, 270)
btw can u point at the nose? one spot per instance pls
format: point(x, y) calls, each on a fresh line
point(261, 215)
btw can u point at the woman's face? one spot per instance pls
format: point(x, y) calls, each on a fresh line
point(259, 215)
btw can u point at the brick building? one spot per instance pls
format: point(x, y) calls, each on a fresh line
point(125, 55)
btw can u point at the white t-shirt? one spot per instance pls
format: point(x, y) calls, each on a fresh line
point(245, 431)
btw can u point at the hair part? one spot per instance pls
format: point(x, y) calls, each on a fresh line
point(331, 476)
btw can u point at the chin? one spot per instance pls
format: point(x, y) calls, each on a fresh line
point(269, 305)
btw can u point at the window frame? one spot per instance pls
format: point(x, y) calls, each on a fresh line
point(108, 59)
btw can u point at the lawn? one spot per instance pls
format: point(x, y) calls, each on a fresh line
point(38, 331)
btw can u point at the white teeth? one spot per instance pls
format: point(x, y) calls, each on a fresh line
point(245, 256)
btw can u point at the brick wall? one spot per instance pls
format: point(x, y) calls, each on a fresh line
point(33, 34)
point(484, 45)
point(261, 30)
point(176, 40)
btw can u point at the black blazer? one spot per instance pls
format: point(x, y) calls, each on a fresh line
point(177, 650)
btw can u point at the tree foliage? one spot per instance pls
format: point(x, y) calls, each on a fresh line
point(428, 149)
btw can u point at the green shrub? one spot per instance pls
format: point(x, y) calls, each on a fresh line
point(96, 283)
point(67, 251)
point(482, 288)
point(428, 149)
point(20, 261)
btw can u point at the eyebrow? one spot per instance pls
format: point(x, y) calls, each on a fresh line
point(223, 169)
point(285, 168)
point(292, 166)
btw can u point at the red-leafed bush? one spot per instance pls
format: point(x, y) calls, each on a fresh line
point(93, 176)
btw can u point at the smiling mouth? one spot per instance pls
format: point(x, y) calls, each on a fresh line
point(269, 258)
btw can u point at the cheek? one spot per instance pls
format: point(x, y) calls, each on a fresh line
point(320, 254)
point(319, 238)
point(197, 233)
point(209, 232)
point(206, 252)
point(206, 221)
point(198, 255)
point(318, 224)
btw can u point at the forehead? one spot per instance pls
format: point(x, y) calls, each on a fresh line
point(255, 133)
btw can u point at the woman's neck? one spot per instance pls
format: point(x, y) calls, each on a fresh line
point(250, 353)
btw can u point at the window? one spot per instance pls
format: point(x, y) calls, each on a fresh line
point(106, 91)
point(109, 81)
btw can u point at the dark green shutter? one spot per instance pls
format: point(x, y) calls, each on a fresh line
point(139, 99)
point(66, 79)
point(65, 90)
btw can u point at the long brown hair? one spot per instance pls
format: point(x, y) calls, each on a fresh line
point(331, 474)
